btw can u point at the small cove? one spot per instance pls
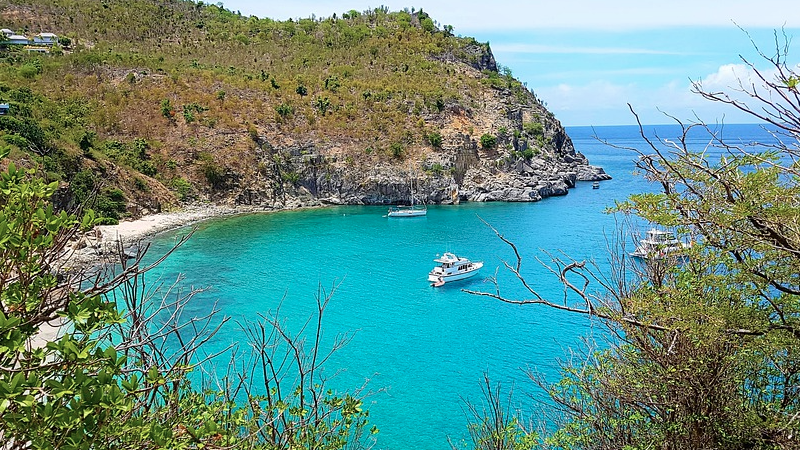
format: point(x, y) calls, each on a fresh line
point(426, 349)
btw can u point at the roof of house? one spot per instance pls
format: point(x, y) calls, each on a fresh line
point(47, 35)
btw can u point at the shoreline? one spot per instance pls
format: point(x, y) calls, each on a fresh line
point(90, 248)
point(147, 227)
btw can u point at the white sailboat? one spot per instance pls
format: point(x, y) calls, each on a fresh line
point(410, 210)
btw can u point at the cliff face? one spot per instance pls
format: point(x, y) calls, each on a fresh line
point(207, 105)
point(531, 158)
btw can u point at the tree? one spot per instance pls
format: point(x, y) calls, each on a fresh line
point(705, 351)
point(83, 387)
point(101, 359)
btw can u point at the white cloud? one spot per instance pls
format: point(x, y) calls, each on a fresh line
point(729, 76)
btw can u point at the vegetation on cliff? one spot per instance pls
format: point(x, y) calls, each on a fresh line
point(152, 103)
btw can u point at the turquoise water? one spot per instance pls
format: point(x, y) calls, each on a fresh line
point(422, 349)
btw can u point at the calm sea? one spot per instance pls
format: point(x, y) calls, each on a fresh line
point(422, 350)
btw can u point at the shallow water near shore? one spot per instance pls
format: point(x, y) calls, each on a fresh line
point(423, 349)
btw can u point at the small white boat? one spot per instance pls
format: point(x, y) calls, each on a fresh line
point(452, 268)
point(407, 211)
point(659, 244)
point(596, 185)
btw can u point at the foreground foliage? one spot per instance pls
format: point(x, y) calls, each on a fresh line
point(101, 360)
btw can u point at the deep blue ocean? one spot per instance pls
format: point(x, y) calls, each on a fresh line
point(423, 351)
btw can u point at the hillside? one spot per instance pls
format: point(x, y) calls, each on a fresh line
point(153, 103)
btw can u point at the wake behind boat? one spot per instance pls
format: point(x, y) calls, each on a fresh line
point(452, 268)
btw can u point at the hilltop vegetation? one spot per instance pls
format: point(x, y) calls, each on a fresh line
point(154, 103)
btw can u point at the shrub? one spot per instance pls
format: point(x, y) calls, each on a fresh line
point(283, 110)
point(141, 184)
point(396, 149)
point(290, 177)
point(133, 155)
point(214, 173)
point(488, 141)
point(434, 138)
point(323, 103)
point(534, 128)
point(110, 203)
point(29, 71)
point(167, 110)
point(190, 109)
point(183, 188)
point(332, 83)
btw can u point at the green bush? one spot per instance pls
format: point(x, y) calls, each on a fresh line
point(396, 150)
point(167, 110)
point(214, 173)
point(488, 141)
point(111, 203)
point(535, 129)
point(434, 138)
point(290, 177)
point(183, 188)
point(133, 155)
point(284, 110)
point(323, 103)
point(332, 83)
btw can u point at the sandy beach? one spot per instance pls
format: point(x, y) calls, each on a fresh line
point(89, 249)
point(149, 226)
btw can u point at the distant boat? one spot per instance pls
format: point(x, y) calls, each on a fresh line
point(452, 268)
point(410, 210)
point(596, 185)
point(659, 244)
point(407, 211)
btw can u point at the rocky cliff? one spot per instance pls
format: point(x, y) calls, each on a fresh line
point(528, 156)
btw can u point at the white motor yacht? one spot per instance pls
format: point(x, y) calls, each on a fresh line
point(659, 244)
point(452, 268)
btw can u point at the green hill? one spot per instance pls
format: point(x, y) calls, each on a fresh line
point(154, 103)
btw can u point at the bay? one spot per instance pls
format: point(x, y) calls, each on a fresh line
point(422, 350)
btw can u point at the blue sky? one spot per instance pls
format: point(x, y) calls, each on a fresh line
point(587, 59)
